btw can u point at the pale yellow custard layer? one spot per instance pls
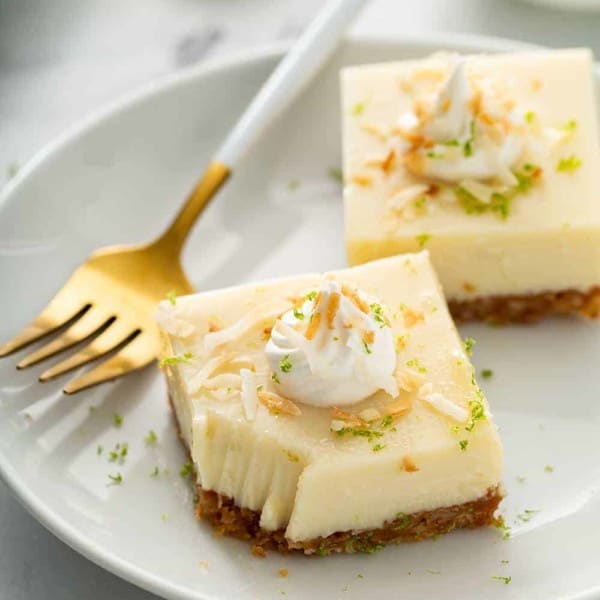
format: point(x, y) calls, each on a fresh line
point(302, 476)
point(549, 241)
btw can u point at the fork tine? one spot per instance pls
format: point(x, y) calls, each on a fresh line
point(56, 314)
point(108, 340)
point(83, 328)
point(137, 353)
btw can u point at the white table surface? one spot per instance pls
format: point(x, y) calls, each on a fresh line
point(59, 60)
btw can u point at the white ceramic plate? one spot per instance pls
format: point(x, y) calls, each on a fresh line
point(118, 178)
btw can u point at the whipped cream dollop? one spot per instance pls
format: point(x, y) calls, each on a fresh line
point(468, 132)
point(335, 349)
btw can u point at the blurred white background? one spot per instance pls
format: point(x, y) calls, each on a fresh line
point(62, 59)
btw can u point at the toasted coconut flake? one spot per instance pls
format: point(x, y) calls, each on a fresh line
point(255, 316)
point(313, 326)
point(368, 337)
point(224, 380)
point(353, 296)
point(409, 381)
point(415, 161)
point(420, 109)
point(413, 317)
point(409, 465)
point(388, 164)
point(369, 414)
point(170, 320)
point(399, 407)
point(283, 572)
point(214, 364)
point(277, 404)
point(441, 404)
point(214, 324)
point(347, 418)
point(374, 130)
point(469, 287)
point(446, 105)
point(332, 308)
point(258, 551)
point(481, 191)
point(337, 425)
point(362, 180)
point(401, 199)
point(249, 394)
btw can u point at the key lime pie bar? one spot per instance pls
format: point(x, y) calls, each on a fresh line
point(490, 162)
point(332, 413)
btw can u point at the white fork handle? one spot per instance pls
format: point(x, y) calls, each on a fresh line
point(296, 69)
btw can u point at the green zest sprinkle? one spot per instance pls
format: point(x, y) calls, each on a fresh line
point(285, 365)
point(378, 447)
point(487, 373)
point(570, 126)
point(505, 528)
point(404, 521)
point(298, 314)
point(175, 360)
point(468, 147)
point(119, 453)
point(370, 434)
point(520, 478)
point(468, 344)
point(275, 378)
point(151, 438)
point(294, 184)
point(12, 170)
point(420, 203)
point(506, 580)
point(336, 338)
point(568, 164)
point(378, 314)
point(422, 239)
point(529, 116)
point(434, 155)
point(526, 515)
point(322, 550)
point(154, 472)
point(311, 295)
point(99, 450)
point(172, 297)
point(362, 543)
point(118, 420)
point(358, 108)
point(387, 421)
point(450, 143)
point(549, 469)
point(367, 348)
point(415, 364)
point(187, 470)
point(463, 444)
point(477, 413)
point(499, 203)
point(336, 174)
point(116, 479)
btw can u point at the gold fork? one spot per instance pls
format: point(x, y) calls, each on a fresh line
point(110, 299)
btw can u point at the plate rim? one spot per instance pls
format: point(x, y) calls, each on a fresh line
point(61, 528)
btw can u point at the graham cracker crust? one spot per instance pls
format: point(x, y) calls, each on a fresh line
point(499, 310)
point(243, 523)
